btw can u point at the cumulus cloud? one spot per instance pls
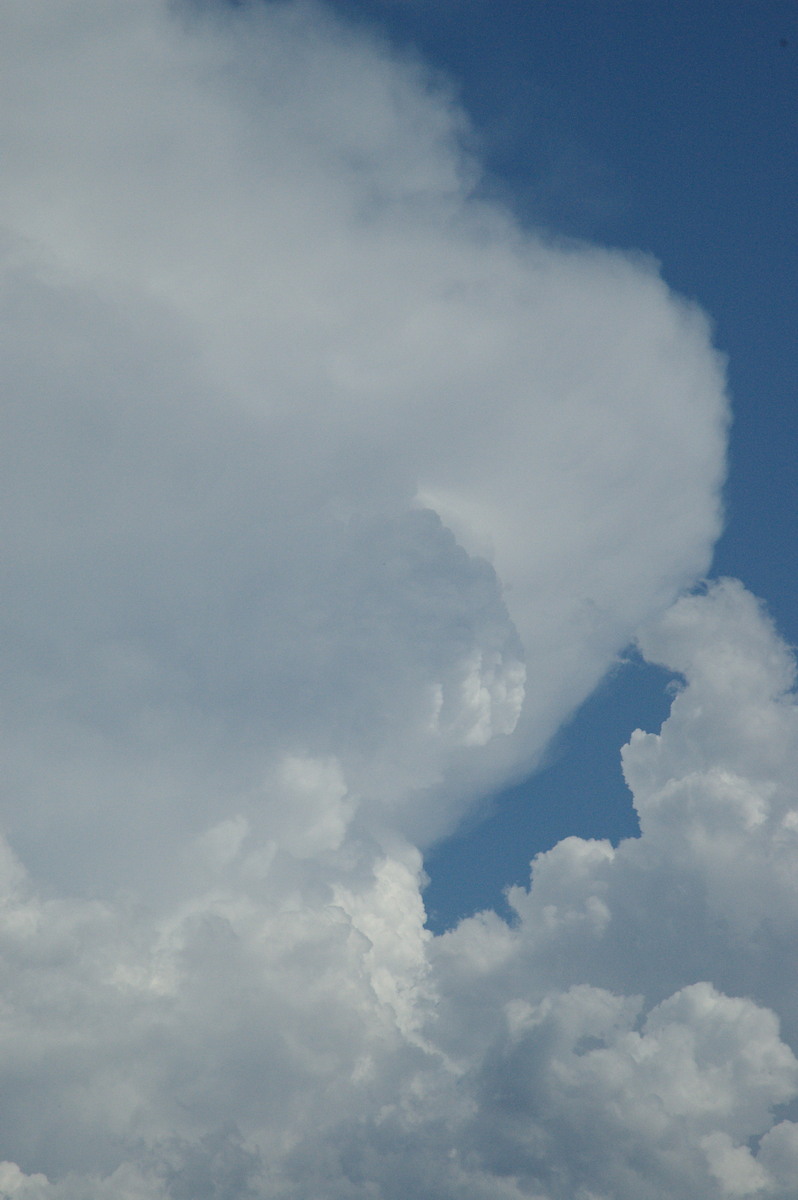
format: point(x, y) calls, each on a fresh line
point(330, 492)
point(642, 1010)
point(308, 451)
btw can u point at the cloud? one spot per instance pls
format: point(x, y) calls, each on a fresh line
point(633, 1005)
point(330, 492)
point(261, 334)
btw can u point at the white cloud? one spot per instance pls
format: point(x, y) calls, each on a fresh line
point(664, 1094)
point(285, 1034)
point(255, 317)
point(330, 492)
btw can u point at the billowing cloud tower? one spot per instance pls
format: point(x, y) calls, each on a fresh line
point(330, 492)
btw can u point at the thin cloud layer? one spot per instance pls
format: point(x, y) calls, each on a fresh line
point(330, 492)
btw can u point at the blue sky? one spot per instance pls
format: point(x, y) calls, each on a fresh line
point(670, 129)
point(399, 792)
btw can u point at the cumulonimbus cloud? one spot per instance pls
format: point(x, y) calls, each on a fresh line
point(331, 491)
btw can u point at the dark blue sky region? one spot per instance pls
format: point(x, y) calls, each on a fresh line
point(671, 129)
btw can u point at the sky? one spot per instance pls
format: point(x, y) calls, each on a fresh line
point(400, 740)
